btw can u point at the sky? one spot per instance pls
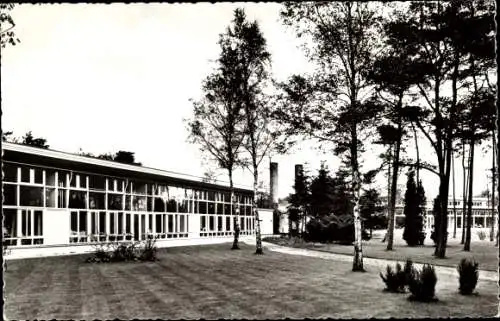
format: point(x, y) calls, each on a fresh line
point(102, 78)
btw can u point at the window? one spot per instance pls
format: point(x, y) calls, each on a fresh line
point(182, 226)
point(50, 197)
point(203, 223)
point(219, 223)
point(10, 226)
point(220, 208)
point(25, 174)
point(31, 196)
point(115, 202)
point(61, 199)
point(159, 205)
point(77, 199)
point(172, 206)
point(9, 194)
point(38, 176)
point(202, 207)
point(96, 200)
point(211, 208)
point(97, 182)
point(228, 223)
point(31, 227)
point(211, 220)
point(78, 226)
point(83, 181)
point(61, 179)
point(227, 209)
point(170, 224)
point(50, 177)
point(9, 172)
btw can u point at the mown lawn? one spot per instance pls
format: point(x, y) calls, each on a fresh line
point(213, 282)
point(484, 252)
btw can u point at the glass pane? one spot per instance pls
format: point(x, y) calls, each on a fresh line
point(219, 223)
point(227, 209)
point(31, 196)
point(50, 197)
point(9, 194)
point(203, 223)
point(61, 179)
point(228, 223)
point(96, 200)
point(74, 222)
point(61, 198)
point(77, 199)
point(25, 174)
point(83, 181)
point(211, 221)
point(83, 222)
point(9, 172)
point(172, 206)
point(159, 205)
point(181, 223)
point(38, 176)
point(211, 208)
point(170, 223)
point(220, 208)
point(10, 222)
point(139, 203)
point(211, 195)
point(50, 177)
point(115, 202)
point(202, 207)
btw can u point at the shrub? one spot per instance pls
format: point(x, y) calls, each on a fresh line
point(468, 275)
point(395, 281)
point(422, 284)
point(481, 234)
point(149, 249)
point(125, 252)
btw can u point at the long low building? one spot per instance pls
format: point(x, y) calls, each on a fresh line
point(56, 202)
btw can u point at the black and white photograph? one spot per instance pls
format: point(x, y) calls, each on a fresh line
point(249, 160)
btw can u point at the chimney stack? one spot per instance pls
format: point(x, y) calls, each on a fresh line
point(273, 185)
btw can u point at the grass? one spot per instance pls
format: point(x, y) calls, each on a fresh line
point(484, 252)
point(213, 282)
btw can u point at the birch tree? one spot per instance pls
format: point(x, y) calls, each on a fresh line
point(218, 117)
point(340, 38)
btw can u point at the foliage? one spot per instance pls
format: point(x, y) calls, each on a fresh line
point(299, 201)
point(413, 211)
point(124, 251)
point(395, 280)
point(422, 284)
point(321, 193)
point(371, 209)
point(149, 249)
point(7, 23)
point(468, 272)
point(332, 228)
point(481, 234)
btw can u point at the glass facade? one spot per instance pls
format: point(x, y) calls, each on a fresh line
point(103, 208)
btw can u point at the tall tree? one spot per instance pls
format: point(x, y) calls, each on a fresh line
point(371, 205)
point(126, 157)
point(299, 201)
point(413, 211)
point(253, 64)
point(341, 39)
point(322, 193)
point(439, 36)
point(218, 120)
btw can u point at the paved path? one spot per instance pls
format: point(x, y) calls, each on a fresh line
point(379, 263)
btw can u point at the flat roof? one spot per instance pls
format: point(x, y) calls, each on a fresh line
point(115, 166)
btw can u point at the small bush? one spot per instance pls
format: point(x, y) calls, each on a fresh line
point(468, 275)
point(422, 284)
point(481, 234)
point(148, 252)
point(395, 281)
point(125, 252)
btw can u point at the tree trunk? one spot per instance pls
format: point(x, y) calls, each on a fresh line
point(454, 199)
point(469, 196)
point(464, 192)
point(493, 177)
point(417, 150)
point(235, 212)
point(258, 239)
point(357, 264)
point(394, 184)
